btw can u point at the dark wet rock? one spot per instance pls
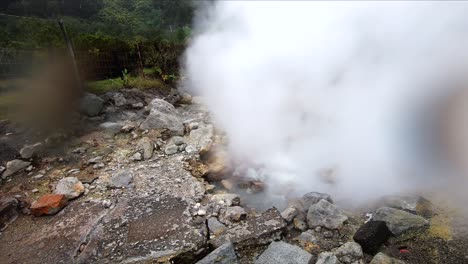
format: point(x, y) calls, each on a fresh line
point(121, 180)
point(349, 253)
point(258, 230)
point(14, 166)
point(49, 204)
point(224, 254)
point(147, 146)
point(146, 230)
point(29, 151)
point(215, 227)
point(399, 221)
point(325, 214)
point(311, 198)
point(163, 115)
point(282, 252)
point(9, 210)
point(91, 105)
point(372, 235)
point(71, 187)
point(381, 258)
point(411, 203)
point(289, 213)
point(327, 258)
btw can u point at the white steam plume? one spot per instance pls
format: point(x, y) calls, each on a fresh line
point(306, 86)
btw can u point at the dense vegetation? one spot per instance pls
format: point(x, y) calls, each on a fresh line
point(110, 30)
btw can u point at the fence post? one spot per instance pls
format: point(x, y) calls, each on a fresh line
point(140, 61)
point(71, 53)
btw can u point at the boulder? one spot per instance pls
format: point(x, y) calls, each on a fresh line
point(326, 215)
point(224, 254)
point(349, 253)
point(147, 146)
point(49, 204)
point(327, 258)
point(311, 198)
point(14, 166)
point(399, 221)
point(411, 203)
point(91, 105)
point(289, 213)
point(381, 258)
point(372, 235)
point(119, 99)
point(29, 151)
point(71, 187)
point(282, 252)
point(9, 210)
point(163, 115)
point(202, 137)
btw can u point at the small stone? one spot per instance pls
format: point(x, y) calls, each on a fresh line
point(80, 150)
point(399, 221)
point(121, 180)
point(372, 235)
point(34, 190)
point(99, 166)
point(233, 214)
point(14, 166)
point(29, 151)
point(307, 237)
point(138, 105)
point(106, 203)
point(224, 254)
point(38, 176)
point(171, 150)
point(71, 187)
point(381, 258)
point(137, 157)
point(282, 252)
point(228, 199)
point(147, 146)
point(95, 160)
point(29, 168)
point(177, 140)
point(325, 214)
point(289, 213)
point(299, 224)
point(201, 212)
point(327, 258)
point(49, 204)
point(349, 253)
point(311, 198)
point(215, 227)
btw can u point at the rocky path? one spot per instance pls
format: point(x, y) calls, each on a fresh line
point(142, 183)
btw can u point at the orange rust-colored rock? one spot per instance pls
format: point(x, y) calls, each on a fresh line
point(49, 204)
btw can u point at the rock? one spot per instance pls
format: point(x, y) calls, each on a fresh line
point(228, 199)
point(171, 150)
point(95, 160)
point(91, 105)
point(121, 180)
point(185, 98)
point(326, 215)
point(2, 169)
point(289, 213)
point(306, 238)
point(327, 258)
point(224, 254)
point(202, 137)
point(299, 224)
point(38, 176)
point(177, 140)
point(138, 105)
point(119, 99)
point(163, 115)
point(381, 258)
point(349, 253)
point(372, 235)
point(215, 227)
point(311, 198)
point(258, 230)
point(49, 204)
point(34, 190)
point(9, 211)
point(411, 203)
point(137, 157)
point(233, 214)
point(111, 127)
point(281, 252)
point(71, 187)
point(399, 221)
point(29, 151)
point(14, 166)
point(147, 146)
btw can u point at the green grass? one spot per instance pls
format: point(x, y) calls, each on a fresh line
point(115, 84)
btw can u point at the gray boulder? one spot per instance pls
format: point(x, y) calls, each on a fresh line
point(326, 215)
point(30, 150)
point(163, 115)
point(411, 203)
point(327, 258)
point(381, 258)
point(14, 166)
point(171, 150)
point(281, 252)
point(224, 254)
point(91, 105)
point(399, 221)
point(119, 99)
point(71, 187)
point(289, 213)
point(311, 198)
